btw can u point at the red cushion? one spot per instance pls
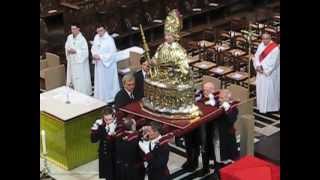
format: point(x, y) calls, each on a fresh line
point(250, 168)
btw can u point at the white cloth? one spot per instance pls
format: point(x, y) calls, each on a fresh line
point(268, 83)
point(211, 101)
point(154, 142)
point(125, 54)
point(226, 106)
point(144, 146)
point(112, 128)
point(78, 72)
point(106, 80)
point(144, 74)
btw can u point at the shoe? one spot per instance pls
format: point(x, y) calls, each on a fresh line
point(218, 166)
point(204, 171)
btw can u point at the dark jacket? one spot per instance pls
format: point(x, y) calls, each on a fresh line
point(227, 137)
point(106, 151)
point(157, 159)
point(122, 98)
point(129, 164)
point(139, 89)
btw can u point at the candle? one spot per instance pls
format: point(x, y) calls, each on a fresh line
point(68, 95)
point(44, 148)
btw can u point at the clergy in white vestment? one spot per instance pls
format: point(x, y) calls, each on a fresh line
point(267, 65)
point(106, 81)
point(77, 55)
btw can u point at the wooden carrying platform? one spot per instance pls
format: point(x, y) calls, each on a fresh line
point(178, 127)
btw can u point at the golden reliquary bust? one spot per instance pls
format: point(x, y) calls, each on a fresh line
point(169, 87)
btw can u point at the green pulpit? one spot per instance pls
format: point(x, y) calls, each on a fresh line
point(67, 116)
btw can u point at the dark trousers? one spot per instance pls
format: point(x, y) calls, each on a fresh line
point(200, 141)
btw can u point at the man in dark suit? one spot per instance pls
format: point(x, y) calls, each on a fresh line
point(140, 76)
point(127, 94)
point(225, 132)
point(103, 131)
point(129, 164)
point(200, 139)
point(155, 152)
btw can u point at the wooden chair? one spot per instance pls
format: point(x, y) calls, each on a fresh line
point(252, 83)
point(83, 12)
point(114, 24)
point(204, 66)
point(155, 9)
point(220, 49)
point(221, 72)
point(48, 6)
point(131, 64)
point(170, 5)
point(52, 73)
point(237, 77)
point(133, 15)
point(263, 14)
point(236, 23)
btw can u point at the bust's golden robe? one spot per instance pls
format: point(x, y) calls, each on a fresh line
point(172, 63)
point(170, 90)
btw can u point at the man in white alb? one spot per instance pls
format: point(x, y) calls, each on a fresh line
point(106, 81)
point(77, 53)
point(267, 65)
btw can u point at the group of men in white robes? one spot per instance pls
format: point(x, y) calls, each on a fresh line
point(104, 56)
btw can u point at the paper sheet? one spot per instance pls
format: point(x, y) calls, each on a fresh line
point(114, 35)
point(134, 28)
point(196, 9)
point(237, 76)
point(213, 4)
point(218, 70)
point(203, 65)
point(157, 21)
point(52, 11)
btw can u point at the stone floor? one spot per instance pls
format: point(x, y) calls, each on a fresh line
point(89, 171)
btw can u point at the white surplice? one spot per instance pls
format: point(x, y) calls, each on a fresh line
point(106, 80)
point(268, 83)
point(78, 71)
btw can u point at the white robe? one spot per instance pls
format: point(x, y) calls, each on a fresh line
point(268, 83)
point(78, 71)
point(106, 81)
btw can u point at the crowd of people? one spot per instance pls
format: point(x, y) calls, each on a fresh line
point(128, 150)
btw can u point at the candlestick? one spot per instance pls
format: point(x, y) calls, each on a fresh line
point(67, 95)
point(44, 146)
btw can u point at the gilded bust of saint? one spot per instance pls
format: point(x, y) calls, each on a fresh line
point(169, 87)
point(170, 59)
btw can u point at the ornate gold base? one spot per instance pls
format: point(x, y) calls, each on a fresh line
point(171, 116)
point(172, 102)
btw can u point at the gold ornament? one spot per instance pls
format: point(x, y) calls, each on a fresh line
point(173, 23)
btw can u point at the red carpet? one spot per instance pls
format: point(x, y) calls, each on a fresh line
point(250, 168)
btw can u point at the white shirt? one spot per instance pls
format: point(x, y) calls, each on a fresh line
point(144, 74)
point(129, 93)
point(154, 142)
